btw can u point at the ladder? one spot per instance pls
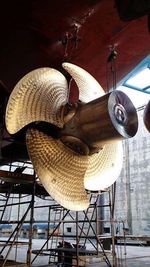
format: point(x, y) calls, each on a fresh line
point(54, 240)
point(5, 201)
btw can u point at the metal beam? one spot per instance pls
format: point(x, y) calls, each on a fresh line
point(13, 177)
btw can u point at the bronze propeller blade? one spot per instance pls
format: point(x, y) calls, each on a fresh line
point(38, 96)
point(60, 170)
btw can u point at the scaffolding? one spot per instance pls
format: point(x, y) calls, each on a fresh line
point(70, 238)
point(76, 237)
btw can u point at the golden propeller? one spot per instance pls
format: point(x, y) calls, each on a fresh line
point(86, 151)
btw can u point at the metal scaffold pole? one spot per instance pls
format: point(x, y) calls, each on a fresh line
point(29, 252)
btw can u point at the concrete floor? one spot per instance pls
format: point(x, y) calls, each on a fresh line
point(135, 257)
point(129, 256)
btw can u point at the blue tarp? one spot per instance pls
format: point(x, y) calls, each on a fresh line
point(37, 226)
point(27, 226)
point(5, 226)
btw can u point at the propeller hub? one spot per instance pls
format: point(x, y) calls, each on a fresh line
point(109, 118)
point(120, 114)
point(75, 144)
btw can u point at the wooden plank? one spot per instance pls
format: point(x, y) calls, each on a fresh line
point(13, 177)
point(10, 263)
